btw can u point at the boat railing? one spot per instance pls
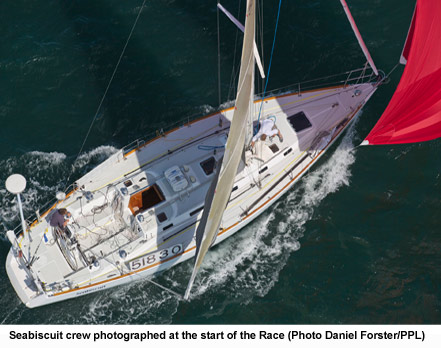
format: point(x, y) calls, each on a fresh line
point(344, 79)
point(140, 142)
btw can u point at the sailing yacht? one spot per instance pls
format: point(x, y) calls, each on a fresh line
point(161, 202)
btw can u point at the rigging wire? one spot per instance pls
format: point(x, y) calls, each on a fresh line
point(107, 89)
point(234, 74)
point(390, 72)
point(218, 56)
point(260, 38)
point(269, 65)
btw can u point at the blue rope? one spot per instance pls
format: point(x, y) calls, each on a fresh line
point(269, 67)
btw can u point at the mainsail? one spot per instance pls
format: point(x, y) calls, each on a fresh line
point(235, 143)
point(414, 112)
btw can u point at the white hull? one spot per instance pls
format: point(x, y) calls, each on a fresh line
point(127, 247)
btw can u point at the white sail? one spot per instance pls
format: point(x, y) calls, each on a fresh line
point(235, 144)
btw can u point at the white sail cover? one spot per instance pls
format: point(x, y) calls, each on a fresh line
point(235, 143)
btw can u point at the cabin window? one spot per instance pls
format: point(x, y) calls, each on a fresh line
point(299, 121)
point(145, 199)
point(264, 169)
point(208, 165)
point(287, 152)
point(167, 227)
point(194, 212)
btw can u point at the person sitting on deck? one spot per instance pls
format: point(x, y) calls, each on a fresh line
point(60, 219)
point(267, 129)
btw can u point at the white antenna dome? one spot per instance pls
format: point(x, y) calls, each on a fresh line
point(16, 183)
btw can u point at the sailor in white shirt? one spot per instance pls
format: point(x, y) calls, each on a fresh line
point(267, 129)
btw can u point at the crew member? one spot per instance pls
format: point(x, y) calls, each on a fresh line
point(60, 219)
point(267, 129)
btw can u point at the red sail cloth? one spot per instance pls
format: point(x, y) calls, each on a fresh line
point(414, 113)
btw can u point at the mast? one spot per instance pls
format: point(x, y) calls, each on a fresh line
point(234, 148)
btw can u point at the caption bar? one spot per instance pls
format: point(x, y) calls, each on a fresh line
point(237, 335)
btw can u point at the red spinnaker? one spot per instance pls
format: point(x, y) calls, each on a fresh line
point(414, 112)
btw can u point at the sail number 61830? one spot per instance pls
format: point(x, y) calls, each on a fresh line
point(155, 257)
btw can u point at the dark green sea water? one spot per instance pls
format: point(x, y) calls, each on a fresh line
point(358, 240)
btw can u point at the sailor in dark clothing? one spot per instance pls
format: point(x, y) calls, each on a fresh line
point(60, 219)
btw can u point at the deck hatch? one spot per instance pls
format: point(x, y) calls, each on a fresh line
point(208, 165)
point(274, 148)
point(145, 199)
point(161, 217)
point(299, 121)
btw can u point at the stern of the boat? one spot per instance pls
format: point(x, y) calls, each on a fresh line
point(21, 279)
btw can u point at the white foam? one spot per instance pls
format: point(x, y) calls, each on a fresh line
point(137, 302)
point(98, 154)
point(45, 173)
point(54, 158)
point(227, 104)
point(206, 109)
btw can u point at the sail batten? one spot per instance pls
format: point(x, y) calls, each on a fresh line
point(414, 112)
point(235, 144)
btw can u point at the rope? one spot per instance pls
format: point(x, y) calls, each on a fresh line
point(233, 76)
point(218, 57)
point(107, 88)
point(261, 26)
point(390, 72)
point(269, 66)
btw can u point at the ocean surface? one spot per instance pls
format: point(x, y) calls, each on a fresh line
point(358, 240)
